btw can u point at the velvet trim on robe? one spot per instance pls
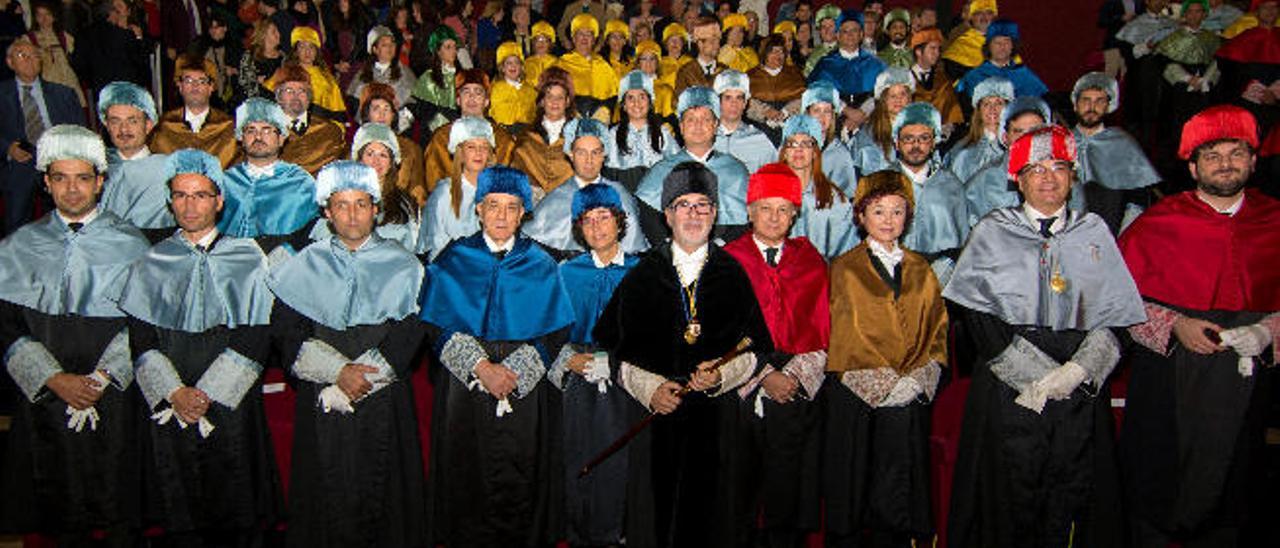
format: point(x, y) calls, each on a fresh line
point(1233, 254)
point(1004, 251)
point(53, 270)
point(136, 191)
point(796, 313)
point(518, 298)
point(269, 206)
point(180, 288)
point(339, 288)
point(217, 136)
point(872, 329)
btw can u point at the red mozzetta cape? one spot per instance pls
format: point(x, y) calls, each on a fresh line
point(793, 295)
point(1183, 253)
point(1256, 45)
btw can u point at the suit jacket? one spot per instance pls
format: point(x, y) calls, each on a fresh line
point(61, 102)
point(175, 28)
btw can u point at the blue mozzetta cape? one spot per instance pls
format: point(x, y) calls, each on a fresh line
point(590, 289)
point(339, 288)
point(521, 297)
point(175, 286)
point(731, 180)
point(851, 77)
point(275, 205)
point(137, 191)
point(51, 269)
point(553, 219)
point(1025, 82)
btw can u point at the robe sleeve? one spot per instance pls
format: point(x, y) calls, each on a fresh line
point(870, 385)
point(1157, 330)
point(927, 376)
point(1098, 355)
point(27, 360)
point(460, 353)
point(401, 344)
point(640, 383)
point(528, 366)
point(808, 370)
point(736, 372)
point(229, 378)
point(115, 361)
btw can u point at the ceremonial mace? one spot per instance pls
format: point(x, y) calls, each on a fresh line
point(640, 425)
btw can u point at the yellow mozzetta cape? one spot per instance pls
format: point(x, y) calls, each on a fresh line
point(741, 59)
point(533, 67)
point(591, 77)
point(871, 329)
point(966, 49)
point(509, 106)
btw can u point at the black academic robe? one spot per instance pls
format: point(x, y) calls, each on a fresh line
point(55, 480)
point(228, 481)
point(686, 470)
point(356, 479)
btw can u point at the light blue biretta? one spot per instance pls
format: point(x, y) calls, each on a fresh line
point(803, 123)
point(821, 91)
point(347, 175)
point(635, 80)
point(70, 142)
point(199, 162)
point(1100, 81)
point(586, 127)
point(919, 113)
point(1003, 27)
point(732, 80)
point(257, 109)
point(698, 96)
point(504, 180)
point(126, 93)
point(467, 128)
point(995, 86)
point(375, 133)
point(894, 76)
point(593, 196)
point(1022, 105)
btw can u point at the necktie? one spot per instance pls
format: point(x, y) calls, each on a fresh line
point(299, 127)
point(75, 227)
point(771, 256)
point(500, 254)
point(710, 69)
point(31, 115)
point(1045, 223)
point(202, 248)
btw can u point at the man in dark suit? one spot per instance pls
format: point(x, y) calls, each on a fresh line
point(28, 106)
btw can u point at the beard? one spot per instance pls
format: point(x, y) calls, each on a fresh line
point(1090, 119)
point(1222, 186)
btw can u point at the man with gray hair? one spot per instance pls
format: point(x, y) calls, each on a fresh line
point(314, 140)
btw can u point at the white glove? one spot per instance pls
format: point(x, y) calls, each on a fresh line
point(1141, 49)
point(77, 418)
point(1032, 398)
point(1062, 381)
point(903, 393)
point(333, 398)
point(1247, 341)
point(597, 371)
point(504, 406)
point(163, 416)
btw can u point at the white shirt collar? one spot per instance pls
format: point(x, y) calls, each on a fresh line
point(848, 55)
point(554, 129)
point(494, 247)
point(514, 83)
point(916, 178)
point(204, 241)
point(142, 153)
point(890, 258)
point(919, 71)
point(1230, 210)
point(1035, 216)
point(301, 118)
point(772, 71)
point(196, 121)
point(381, 67)
point(88, 218)
point(700, 159)
point(582, 183)
point(688, 265)
point(256, 172)
point(617, 259)
point(763, 246)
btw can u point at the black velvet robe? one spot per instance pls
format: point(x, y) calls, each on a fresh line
point(687, 479)
point(356, 479)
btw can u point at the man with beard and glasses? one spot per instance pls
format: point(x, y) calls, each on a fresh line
point(266, 195)
point(1205, 263)
point(1113, 169)
point(136, 188)
point(940, 222)
point(315, 140)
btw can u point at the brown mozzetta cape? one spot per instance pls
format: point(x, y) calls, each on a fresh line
point(943, 96)
point(870, 329)
point(787, 86)
point(545, 163)
point(438, 163)
point(323, 142)
point(217, 136)
point(412, 178)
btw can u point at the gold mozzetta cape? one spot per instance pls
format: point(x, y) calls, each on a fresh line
point(545, 163)
point(323, 142)
point(412, 177)
point(870, 329)
point(217, 136)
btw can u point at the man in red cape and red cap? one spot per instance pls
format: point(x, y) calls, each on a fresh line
point(1205, 263)
point(779, 414)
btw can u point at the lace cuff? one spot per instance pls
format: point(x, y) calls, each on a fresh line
point(31, 365)
point(156, 377)
point(1155, 332)
point(527, 364)
point(1021, 364)
point(318, 362)
point(808, 369)
point(1272, 323)
point(229, 378)
point(560, 367)
point(460, 355)
point(870, 385)
point(115, 360)
point(1098, 355)
point(736, 372)
point(639, 383)
point(927, 376)
point(750, 386)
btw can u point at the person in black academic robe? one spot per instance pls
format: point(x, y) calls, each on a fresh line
point(1042, 288)
point(199, 310)
point(684, 305)
point(346, 315)
point(499, 314)
point(70, 467)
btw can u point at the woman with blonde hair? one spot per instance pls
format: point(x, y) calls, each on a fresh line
point(260, 61)
point(448, 214)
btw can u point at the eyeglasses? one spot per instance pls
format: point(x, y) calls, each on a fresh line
point(191, 81)
point(688, 208)
point(802, 143)
point(915, 139)
point(200, 195)
point(1039, 169)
